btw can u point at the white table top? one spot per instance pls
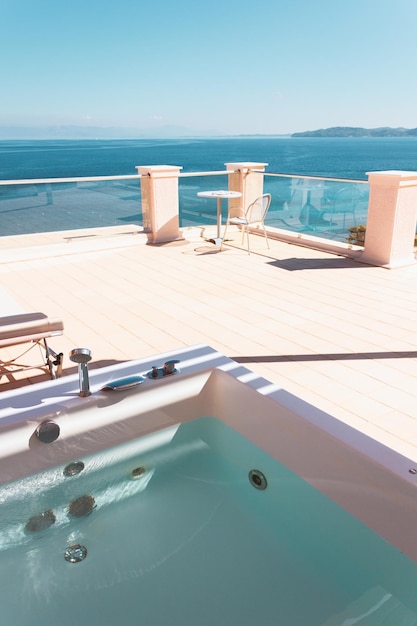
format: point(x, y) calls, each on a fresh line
point(219, 194)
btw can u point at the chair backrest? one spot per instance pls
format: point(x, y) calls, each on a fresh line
point(345, 199)
point(256, 212)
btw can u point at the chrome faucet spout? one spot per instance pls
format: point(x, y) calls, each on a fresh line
point(82, 356)
point(84, 380)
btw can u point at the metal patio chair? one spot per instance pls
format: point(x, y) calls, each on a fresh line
point(255, 214)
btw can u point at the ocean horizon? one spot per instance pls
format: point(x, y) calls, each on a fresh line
point(347, 157)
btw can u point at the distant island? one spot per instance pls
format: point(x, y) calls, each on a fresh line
point(349, 131)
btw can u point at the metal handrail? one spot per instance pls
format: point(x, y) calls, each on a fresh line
point(214, 173)
point(75, 179)
point(335, 180)
point(78, 179)
point(83, 179)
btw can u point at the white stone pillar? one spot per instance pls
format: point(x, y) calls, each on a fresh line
point(160, 202)
point(250, 184)
point(392, 218)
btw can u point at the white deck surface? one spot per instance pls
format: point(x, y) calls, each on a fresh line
point(339, 334)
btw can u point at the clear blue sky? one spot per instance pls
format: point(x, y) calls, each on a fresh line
point(233, 66)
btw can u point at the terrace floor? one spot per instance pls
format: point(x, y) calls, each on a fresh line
point(337, 333)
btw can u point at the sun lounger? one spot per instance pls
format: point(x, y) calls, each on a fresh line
point(34, 328)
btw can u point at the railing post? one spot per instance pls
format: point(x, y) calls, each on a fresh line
point(392, 217)
point(250, 184)
point(160, 202)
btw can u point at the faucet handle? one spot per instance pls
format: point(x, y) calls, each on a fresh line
point(169, 367)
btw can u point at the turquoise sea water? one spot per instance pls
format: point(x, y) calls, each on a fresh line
point(43, 208)
point(334, 157)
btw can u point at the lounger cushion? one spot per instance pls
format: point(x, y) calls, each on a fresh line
point(26, 327)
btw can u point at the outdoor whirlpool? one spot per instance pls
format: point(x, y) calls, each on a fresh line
point(206, 497)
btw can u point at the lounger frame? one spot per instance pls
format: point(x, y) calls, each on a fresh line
point(34, 329)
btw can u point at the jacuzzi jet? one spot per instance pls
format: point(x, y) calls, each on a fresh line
point(257, 479)
point(47, 431)
point(138, 472)
point(72, 469)
point(41, 521)
point(81, 506)
point(75, 553)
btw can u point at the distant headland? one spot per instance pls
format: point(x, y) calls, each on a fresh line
point(352, 131)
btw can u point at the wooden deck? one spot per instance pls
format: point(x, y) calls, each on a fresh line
point(337, 333)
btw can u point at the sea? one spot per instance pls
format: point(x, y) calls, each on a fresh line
point(347, 157)
point(26, 212)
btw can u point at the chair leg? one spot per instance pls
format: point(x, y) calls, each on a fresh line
point(224, 235)
point(266, 236)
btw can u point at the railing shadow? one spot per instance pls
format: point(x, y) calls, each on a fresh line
point(330, 356)
point(295, 264)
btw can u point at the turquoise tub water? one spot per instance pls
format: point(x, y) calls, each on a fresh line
point(149, 507)
point(175, 531)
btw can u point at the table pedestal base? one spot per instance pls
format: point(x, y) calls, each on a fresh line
point(216, 240)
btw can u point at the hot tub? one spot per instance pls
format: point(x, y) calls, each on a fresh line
point(210, 496)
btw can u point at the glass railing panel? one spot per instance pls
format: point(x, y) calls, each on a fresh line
point(51, 206)
point(196, 211)
point(321, 207)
